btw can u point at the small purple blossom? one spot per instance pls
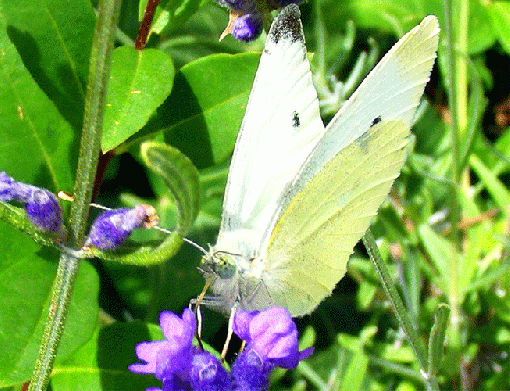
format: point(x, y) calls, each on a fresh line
point(41, 205)
point(251, 372)
point(207, 374)
point(6, 188)
point(271, 340)
point(247, 27)
point(246, 19)
point(272, 334)
point(43, 210)
point(112, 228)
point(175, 361)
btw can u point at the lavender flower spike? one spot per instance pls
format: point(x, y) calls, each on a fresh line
point(271, 340)
point(175, 361)
point(41, 205)
point(112, 228)
point(43, 210)
point(272, 334)
point(6, 187)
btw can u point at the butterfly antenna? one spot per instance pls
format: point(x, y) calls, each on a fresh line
point(189, 241)
point(68, 197)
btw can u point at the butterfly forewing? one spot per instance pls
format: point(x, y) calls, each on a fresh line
point(392, 90)
point(281, 126)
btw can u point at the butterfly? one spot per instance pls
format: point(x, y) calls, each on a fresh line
point(300, 195)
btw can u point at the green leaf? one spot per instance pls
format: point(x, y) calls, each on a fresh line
point(53, 38)
point(398, 17)
point(140, 81)
point(437, 339)
point(205, 93)
point(440, 252)
point(495, 187)
point(355, 372)
point(171, 14)
point(500, 15)
point(385, 15)
point(27, 272)
point(481, 34)
point(181, 177)
point(17, 218)
point(35, 141)
point(102, 363)
point(37, 146)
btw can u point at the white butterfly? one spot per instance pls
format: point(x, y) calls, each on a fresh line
point(299, 196)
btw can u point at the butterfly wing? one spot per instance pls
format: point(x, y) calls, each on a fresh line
point(281, 126)
point(341, 185)
point(316, 234)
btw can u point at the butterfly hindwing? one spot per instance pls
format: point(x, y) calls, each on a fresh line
point(316, 234)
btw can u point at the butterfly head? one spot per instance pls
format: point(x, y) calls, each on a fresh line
point(218, 264)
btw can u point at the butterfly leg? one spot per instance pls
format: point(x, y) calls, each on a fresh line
point(230, 330)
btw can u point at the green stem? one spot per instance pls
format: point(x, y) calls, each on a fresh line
point(457, 14)
point(61, 296)
point(398, 369)
point(87, 165)
point(398, 306)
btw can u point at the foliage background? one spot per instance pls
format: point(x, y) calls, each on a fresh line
point(189, 90)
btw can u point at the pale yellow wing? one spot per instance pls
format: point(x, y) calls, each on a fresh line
point(314, 237)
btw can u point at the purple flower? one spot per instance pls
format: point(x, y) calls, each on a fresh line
point(175, 361)
point(251, 372)
point(6, 188)
point(272, 334)
point(111, 228)
point(271, 338)
point(247, 27)
point(245, 20)
point(42, 207)
point(207, 374)
point(43, 210)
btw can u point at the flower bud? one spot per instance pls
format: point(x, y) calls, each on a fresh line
point(248, 27)
point(41, 205)
point(112, 228)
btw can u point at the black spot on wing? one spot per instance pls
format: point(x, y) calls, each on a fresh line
point(376, 120)
point(295, 120)
point(287, 25)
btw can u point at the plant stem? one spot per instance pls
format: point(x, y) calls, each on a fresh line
point(398, 306)
point(457, 15)
point(87, 164)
